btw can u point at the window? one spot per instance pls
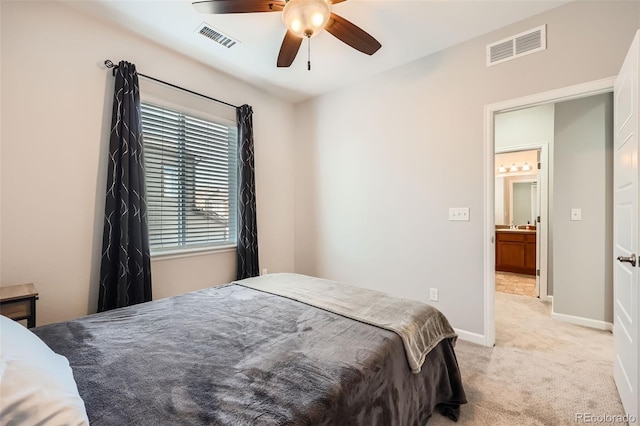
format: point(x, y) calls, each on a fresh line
point(190, 168)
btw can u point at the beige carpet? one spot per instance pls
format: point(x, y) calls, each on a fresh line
point(541, 371)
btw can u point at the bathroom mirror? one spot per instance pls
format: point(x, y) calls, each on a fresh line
point(516, 188)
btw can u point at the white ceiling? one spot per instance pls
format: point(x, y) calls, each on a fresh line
point(407, 30)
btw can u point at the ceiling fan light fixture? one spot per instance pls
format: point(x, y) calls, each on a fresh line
point(318, 20)
point(306, 18)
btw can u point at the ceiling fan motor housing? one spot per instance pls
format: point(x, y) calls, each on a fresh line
point(306, 18)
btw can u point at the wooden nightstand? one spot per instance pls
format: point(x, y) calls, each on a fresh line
point(18, 302)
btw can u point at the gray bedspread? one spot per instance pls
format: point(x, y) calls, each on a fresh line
point(231, 355)
point(420, 326)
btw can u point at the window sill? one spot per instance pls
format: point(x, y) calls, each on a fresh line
point(203, 251)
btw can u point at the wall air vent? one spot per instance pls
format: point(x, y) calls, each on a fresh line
point(216, 35)
point(518, 45)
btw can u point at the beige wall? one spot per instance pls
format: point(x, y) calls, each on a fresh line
point(378, 164)
point(524, 127)
point(583, 170)
point(56, 107)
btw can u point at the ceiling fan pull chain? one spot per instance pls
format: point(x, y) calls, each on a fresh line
point(308, 53)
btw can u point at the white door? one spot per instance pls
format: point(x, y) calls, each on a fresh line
point(537, 214)
point(626, 332)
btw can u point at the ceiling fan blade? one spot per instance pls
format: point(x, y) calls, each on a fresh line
point(289, 49)
point(336, 1)
point(352, 35)
point(238, 6)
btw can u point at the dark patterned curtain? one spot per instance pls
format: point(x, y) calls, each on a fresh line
point(125, 272)
point(247, 225)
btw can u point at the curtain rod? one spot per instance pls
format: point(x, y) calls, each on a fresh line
point(113, 66)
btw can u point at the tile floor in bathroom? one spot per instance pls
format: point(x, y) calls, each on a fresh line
point(508, 282)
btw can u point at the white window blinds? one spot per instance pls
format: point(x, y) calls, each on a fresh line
point(191, 180)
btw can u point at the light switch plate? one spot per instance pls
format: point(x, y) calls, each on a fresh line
point(459, 213)
point(576, 214)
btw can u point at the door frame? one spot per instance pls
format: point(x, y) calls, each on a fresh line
point(542, 239)
point(577, 91)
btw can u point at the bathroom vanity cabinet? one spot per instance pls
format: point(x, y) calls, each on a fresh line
point(516, 251)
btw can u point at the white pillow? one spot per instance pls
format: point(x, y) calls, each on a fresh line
point(36, 384)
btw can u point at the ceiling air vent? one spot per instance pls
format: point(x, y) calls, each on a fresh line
point(216, 35)
point(518, 45)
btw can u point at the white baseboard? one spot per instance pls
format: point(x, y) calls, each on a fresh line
point(471, 337)
point(585, 322)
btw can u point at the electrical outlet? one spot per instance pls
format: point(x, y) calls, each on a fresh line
point(433, 294)
point(265, 271)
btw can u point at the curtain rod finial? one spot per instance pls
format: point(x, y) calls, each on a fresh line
point(110, 65)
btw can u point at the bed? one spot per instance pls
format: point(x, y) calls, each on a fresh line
point(241, 354)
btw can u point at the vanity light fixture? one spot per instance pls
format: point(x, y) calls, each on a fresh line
point(514, 168)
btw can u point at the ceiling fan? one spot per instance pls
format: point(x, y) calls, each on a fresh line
point(303, 18)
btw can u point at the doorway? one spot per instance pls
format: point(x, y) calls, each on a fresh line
point(517, 212)
point(491, 113)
